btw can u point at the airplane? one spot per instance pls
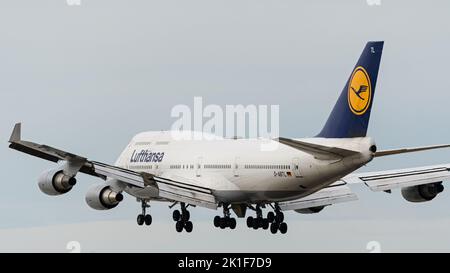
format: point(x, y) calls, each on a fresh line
point(305, 175)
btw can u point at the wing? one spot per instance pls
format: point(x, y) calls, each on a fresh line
point(168, 189)
point(392, 179)
point(336, 193)
point(377, 181)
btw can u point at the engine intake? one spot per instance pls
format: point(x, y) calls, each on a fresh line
point(102, 197)
point(55, 182)
point(422, 193)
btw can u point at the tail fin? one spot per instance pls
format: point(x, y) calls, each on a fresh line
point(350, 115)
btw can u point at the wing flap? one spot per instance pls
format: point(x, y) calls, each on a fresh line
point(388, 180)
point(121, 174)
point(337, 193)
point(186, 192)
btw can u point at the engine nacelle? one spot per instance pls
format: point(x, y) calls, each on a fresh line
point(422, 193)
point(310, 210)
point(55, 182)
point(102, 197)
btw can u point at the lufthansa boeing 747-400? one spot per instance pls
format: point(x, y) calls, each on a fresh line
point(304, 175)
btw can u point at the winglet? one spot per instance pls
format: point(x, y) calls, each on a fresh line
point(15, 135)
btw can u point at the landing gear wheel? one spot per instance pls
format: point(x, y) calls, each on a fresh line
point(148, 219)
point(283, 228)
point(188, 226)
point(260, 222)
point(274, 228)
point(179, 226)
point(223, 223)
point(271, 216)
point(250, 221)
point(265, 224)
point(140, 219)
point(256, 223)
point(232, 223)
point(279, 217)
point(185, 216)
point(176, 215)
point(217, 221)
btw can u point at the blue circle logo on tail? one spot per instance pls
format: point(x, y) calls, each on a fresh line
point(359, 91)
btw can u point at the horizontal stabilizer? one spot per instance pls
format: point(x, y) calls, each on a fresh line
point(317, 150)
point(409, 150)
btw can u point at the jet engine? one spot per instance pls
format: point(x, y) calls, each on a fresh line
point(422, 193)
point(310, 210)
point(55, 182)
point(102, 197)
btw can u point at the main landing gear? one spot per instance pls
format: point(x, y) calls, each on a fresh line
point(144, 218)
point(277, 220)
point(259, 221)
point(226, 220)
point(182, 219)
point(274, 219)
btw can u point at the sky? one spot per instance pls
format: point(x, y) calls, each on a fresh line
point(86, 78)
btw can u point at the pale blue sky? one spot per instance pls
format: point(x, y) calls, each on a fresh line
point(87, 78)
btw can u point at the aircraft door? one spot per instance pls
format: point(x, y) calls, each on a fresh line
point(198, 166)
point(296, 167)
point(236, 166)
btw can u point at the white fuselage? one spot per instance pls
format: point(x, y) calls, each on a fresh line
point(240, 170)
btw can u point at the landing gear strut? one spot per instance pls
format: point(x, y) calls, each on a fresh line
point(144, 218)
point(226, 220)
point(182, 219)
